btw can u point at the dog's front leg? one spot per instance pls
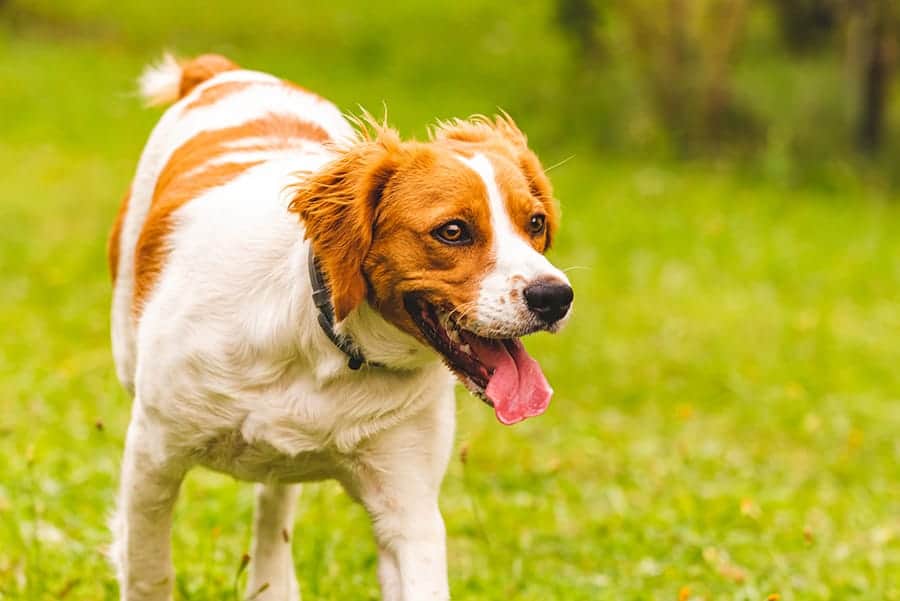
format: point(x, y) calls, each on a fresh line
point(142, 525)
point(413, 556)
point(388, 574)
point(398, 481)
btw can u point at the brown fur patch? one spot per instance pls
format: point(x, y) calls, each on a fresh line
point(188, 173)
point(115, 236)
point(282, 131)
point(151, 250)
point(370, 217)
point(215, 93)
point(337, 205)
point(522, 203)
point(199, 69)
point(431, 188)
point(501, 136)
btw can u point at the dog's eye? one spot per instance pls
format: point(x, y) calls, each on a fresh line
point(537, 224)
point(453, 232)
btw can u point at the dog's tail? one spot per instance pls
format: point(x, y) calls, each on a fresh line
point(170, 79)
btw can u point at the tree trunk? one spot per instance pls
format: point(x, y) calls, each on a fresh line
point(875, 78)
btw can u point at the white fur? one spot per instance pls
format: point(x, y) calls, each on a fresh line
point(174, 129)
point(159, 83)
point(230, 370)
point(501, 301)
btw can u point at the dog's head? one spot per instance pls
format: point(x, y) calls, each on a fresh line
point(446, 239)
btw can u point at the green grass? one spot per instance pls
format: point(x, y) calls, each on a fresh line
point(728, 393)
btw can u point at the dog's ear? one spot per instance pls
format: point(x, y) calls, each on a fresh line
point(504, 135)
point(337, 205)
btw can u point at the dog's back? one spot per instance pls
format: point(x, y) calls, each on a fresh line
point(225, 123)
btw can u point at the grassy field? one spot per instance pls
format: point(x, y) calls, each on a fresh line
point(727, 403)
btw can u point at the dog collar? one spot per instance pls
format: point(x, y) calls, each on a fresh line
point(321, 294)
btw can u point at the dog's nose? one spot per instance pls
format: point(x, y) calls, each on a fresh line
point(549, 299)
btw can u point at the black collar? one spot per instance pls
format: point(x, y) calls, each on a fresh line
point(322, 298)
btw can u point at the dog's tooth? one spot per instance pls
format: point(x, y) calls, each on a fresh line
point(466, 349)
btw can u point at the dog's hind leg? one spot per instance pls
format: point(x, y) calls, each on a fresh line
point(272, 575)
point(141, 549)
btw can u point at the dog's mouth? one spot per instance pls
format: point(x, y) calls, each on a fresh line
point(499, 371)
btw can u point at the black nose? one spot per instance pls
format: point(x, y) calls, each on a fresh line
point(549, 299)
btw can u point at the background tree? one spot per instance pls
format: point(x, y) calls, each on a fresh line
point(683, 55)
point(687, 59)
point(807, 25)
point(872, 32)
point(581, 20)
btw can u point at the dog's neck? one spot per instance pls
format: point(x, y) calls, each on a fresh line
point(380, 343)
point(321, 294)
point(383, 343)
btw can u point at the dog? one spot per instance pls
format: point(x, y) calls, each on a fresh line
point(294, 294)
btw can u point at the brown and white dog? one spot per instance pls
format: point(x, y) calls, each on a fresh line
point(292, 295)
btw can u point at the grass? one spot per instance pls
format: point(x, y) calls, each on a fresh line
point(728, 399)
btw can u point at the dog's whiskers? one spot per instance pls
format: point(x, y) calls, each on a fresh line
point(560, 163)
point(461, 311)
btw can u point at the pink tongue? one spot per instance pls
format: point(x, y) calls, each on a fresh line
point(517, 386)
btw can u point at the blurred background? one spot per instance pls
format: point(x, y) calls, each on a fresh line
point(798, 89)
point(727, 394)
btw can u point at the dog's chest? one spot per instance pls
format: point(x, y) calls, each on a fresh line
point(301, 431)
point(259, 461)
